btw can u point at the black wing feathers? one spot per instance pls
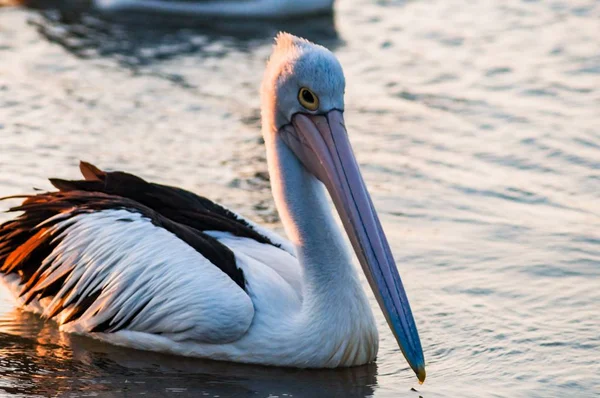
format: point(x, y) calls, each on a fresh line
point(174, 203)
point(39, 208)
point(27, 240)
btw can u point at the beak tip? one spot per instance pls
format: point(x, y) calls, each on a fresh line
point(421, 374)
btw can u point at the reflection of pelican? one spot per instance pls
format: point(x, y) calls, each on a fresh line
point(31, 347)
point(218, 8)
point(158, 268)
point(220, 378)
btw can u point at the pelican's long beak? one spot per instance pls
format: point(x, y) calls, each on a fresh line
point(321, 143)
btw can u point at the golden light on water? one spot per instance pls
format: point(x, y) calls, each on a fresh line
point(4, 3)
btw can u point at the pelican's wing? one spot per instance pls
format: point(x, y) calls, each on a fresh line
point(97, 262)
point(174, 203)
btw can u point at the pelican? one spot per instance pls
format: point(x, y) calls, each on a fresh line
point(222, 9)
point(158, 268)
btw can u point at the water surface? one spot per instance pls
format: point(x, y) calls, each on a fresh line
point(477, 128)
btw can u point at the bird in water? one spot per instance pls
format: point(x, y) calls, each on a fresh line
point(154, 267)
point(222, 9)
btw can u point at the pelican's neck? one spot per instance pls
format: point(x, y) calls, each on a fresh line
point(307, 217)
point(335, 326)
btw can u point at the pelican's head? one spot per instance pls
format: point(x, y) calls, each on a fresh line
point(303, 103)
point(301, 77)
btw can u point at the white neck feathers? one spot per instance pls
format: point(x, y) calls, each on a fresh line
point(308, 221)
point(334, 305)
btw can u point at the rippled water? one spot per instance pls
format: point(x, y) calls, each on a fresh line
point(477, 128)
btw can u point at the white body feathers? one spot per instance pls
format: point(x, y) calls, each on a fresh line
point(190, 307)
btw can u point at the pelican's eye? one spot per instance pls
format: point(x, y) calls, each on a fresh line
point(308, 99)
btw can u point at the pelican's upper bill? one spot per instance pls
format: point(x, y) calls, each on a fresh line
point(159, 268)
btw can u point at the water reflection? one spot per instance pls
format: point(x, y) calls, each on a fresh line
point(41, 360)
point(137, 39)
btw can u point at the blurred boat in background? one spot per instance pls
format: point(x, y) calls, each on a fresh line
point(225, 9)
point(135, 38)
